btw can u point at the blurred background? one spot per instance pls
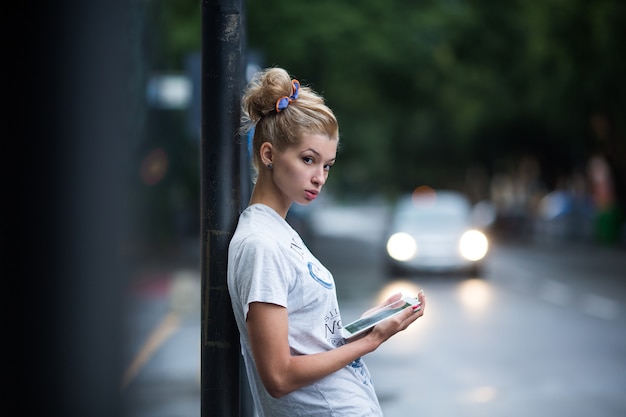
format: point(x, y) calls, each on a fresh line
point(519, 103)
point(518, 106)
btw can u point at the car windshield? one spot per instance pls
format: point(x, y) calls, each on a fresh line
point(448, 218)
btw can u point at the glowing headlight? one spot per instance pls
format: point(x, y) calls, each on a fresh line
point(473, 245)
point(401, 247)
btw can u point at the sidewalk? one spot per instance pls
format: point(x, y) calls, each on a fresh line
point(162, 351)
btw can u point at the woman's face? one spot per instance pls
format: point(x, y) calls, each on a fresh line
point(300, 171)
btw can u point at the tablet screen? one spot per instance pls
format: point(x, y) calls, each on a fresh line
point(364, 323)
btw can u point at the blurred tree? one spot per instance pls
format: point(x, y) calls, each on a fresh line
point(177, 31)
point(165, 172)
point(417, 85)
point(425, 91)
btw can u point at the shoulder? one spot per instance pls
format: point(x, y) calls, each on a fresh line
point(255, 228)
point(255, 241)
point(260, 224)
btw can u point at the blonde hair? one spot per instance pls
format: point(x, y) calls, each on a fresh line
point(308, 114)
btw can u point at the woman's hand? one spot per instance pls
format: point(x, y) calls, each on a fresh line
point(388, 301)
point(282, 373)
point(384, 330)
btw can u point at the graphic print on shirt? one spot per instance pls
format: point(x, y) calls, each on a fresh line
point(360, 371)
point(320, 275)
point(297, 248)
point(332, 324)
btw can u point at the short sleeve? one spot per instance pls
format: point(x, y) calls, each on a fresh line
point(262, 272)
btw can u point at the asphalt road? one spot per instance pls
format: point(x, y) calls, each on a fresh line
point(540, 333)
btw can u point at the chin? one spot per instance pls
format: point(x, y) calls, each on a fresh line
point(303, 201)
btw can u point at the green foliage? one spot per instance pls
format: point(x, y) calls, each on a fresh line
point(175, 31)
point(416, 84)
point(426, 89)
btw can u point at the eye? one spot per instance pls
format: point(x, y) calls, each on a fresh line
point(308, 160)
point(327, 167)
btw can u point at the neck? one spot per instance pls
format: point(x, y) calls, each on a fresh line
point(262, 196)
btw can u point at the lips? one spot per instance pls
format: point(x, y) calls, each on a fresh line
point(311, 194)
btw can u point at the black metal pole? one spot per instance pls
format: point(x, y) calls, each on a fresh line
point(220, 201)
point(246, 402)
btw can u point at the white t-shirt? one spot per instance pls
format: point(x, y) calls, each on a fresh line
point(268, 262)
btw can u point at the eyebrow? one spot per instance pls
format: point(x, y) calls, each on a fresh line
point(312, 150)
point(318, 154)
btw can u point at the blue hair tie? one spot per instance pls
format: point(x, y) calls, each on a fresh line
point(283, 102)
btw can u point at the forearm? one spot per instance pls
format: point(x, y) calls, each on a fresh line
point(282, 373)
point(299, 371)
point(304, 370)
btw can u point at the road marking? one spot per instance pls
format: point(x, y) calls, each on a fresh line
point(523, 282)
point(560, 294)
point(184, 299)
point(555, 292)
point(601, 307)
point(165, 329)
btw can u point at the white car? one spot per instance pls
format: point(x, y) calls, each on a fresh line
point(435, 231)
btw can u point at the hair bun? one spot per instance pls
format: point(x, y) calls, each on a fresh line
point(264, 90)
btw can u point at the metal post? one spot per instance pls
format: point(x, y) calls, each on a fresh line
point(220, 201)
point(246, 402)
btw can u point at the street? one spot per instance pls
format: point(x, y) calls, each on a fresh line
point(541, 333)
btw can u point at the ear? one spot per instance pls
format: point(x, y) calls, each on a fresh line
point(267, 153)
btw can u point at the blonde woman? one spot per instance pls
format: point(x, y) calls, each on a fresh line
point(285, 304)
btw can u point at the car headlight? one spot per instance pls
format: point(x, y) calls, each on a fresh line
point(473, 245)
point(401, 247)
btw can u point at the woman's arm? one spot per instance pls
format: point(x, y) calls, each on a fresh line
point(283, 373)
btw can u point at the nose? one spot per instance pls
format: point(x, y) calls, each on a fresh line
point(319, 178)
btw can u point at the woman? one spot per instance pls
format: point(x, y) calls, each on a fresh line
point(284, 300)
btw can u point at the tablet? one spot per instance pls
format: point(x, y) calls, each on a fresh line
point(363, 324)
